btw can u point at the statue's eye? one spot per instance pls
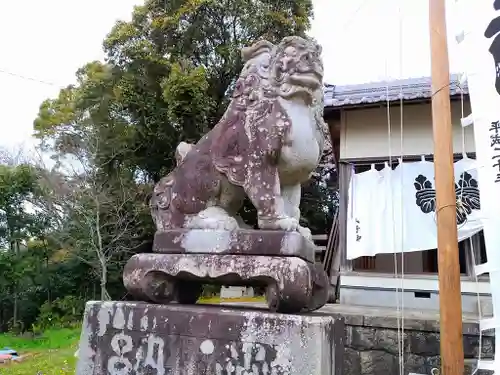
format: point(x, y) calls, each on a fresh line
point(306, 58)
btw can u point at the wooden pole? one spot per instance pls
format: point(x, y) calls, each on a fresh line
point(452, 352)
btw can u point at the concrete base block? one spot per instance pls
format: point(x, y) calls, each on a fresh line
point(142, 339)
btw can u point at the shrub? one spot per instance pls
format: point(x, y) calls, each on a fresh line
point(61, 313)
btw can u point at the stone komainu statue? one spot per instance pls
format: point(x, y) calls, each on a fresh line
point(268, 142)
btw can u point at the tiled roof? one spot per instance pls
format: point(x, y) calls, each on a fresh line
point(376, 92)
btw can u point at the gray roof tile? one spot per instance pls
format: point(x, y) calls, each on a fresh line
point(376, 92)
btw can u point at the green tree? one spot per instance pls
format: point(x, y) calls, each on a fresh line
point(18, 185)
point(167, 76)
point(50, 260)
point(101, 217)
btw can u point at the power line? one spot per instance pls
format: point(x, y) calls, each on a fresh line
point(32, 79)
point(27, 78)
point(354, 14)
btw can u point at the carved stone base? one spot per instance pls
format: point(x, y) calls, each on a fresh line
point(185, 259)
point(237, 242)
point(137, 338)
point(293, 285)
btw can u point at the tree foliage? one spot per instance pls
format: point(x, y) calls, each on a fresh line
point(66, 231)
point(166, 78)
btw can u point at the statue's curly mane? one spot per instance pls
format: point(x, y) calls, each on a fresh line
point(259, 86)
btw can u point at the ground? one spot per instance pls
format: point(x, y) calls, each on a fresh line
point(53, 353)
point(49, 354)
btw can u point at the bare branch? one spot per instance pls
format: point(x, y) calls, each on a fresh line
point(99, 210)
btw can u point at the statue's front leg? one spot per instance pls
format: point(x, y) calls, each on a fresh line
point(282, 220)
point(264, 191)
point(291, 200)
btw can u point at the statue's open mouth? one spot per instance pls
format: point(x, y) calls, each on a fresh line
point(311, 80)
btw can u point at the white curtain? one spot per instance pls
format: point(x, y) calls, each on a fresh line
point(390, 211)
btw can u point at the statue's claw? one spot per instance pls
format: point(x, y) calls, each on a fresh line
point(288, 224)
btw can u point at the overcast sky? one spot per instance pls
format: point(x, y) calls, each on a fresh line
point(48, 40)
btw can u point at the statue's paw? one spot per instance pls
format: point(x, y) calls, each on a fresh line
point(288, 224)
point(305, 232)
point(228, 224)
point(214, 218)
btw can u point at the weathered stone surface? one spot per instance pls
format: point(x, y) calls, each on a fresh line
point(293, 285)
point(374, 350)
point(352, 361)
point(368, 338)
point(139, 339)
point(378, 362)
point(269, 141)
point(423, 343)
point(372, 338)
point(236, 242)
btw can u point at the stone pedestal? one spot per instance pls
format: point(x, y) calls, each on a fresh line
point(138, 339)
point(183, 260)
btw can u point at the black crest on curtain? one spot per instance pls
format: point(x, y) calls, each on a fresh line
point(467, 193)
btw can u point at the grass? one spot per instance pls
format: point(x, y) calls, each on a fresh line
point(49, 354)
point(216, 300)
point(53, 352)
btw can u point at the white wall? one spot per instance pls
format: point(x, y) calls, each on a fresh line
point(364, 132)
point(236, 291)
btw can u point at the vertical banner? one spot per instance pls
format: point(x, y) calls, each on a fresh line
point(481, 51)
